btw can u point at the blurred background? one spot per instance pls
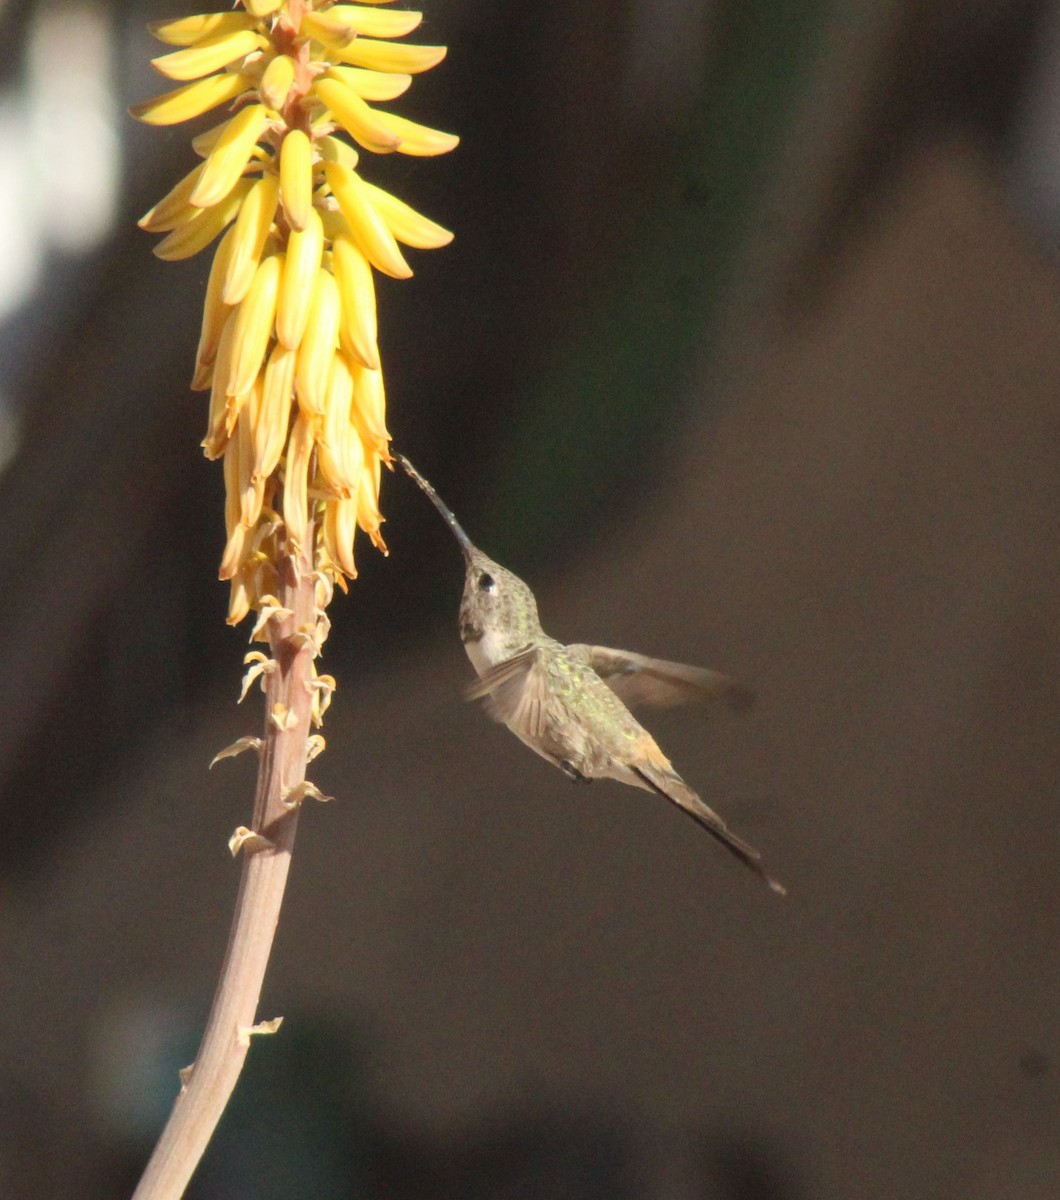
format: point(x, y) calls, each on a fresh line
point(747, 353)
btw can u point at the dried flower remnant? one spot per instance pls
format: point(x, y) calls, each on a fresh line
point(288, 349)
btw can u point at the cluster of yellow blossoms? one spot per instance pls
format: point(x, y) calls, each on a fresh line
point(288, 347)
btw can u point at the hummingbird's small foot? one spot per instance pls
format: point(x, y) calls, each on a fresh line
point(572, 772)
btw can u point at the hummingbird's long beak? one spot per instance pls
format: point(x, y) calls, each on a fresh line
point(458, 532)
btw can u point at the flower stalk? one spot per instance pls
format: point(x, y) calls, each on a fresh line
point(288, 352)
point(209, 1083)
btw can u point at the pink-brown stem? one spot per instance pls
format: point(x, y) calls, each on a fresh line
point(225, 1041)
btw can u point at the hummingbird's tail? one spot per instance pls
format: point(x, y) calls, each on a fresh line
point(673, 788)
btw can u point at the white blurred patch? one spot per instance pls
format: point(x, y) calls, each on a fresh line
point(59, 146)
point(21, 237)
point(72, 116)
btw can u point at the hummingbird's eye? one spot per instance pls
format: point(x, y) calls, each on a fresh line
point(486, 583)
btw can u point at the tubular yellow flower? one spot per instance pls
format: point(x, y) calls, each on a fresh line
point(404, 222)
point(248, 238)
point(239, 604)
point(191, 100)
point(359, 119)
point(274, 416)
point(357, 326)
point(186, 31)
point(174, 208)
point(296, 481)
point(237, 534)
point(384, 56)
point(205, 57)
point(296, 178)
point(216, 439)
point(237, 543)
point(339, 449)
point(416, 139)
point(214, 314)
point(304, 250)
point(369, 517)
point(317, 347)
point(289, 343)
point(251, 482)
point(203, 143)
point(342, 22)
point(374, 239)
point(277, 81)
point(201, 229)
point(229, 156)
point(372, 85)
point(377, 22)
point(369, 409)
point(340, 526)
point(254, 323)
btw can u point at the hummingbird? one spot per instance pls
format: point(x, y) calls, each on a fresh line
point(568, 703)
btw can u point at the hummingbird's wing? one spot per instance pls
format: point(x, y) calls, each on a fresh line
point(515, 692)
point(637, 679)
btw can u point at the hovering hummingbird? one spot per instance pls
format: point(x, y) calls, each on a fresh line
point(568, 703)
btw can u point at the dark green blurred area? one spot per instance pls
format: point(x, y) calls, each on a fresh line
point(612, 390)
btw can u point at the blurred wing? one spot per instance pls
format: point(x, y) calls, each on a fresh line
point(515, 693)
point(636, 679)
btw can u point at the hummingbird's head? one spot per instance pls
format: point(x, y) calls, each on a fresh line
point(495, 603)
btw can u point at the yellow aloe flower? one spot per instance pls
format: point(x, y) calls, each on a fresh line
point(288, 348)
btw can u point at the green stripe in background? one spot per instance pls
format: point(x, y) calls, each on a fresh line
point(610, 397)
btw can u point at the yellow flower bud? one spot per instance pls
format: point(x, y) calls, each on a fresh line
point(372, 85)
point(296, 178)
point(191, 100)
point(274, 416)
point(296, 483)
point(277, 80)
point(357, 325)
point(208, 56)
point(200, 230)
point(304, 250)
point(254, 321)
point(386, 56)
point(214, 314)
point(230, 155)
point(414, 138)
point(375, 22)
point(186, 31)
point(375, 240)
point(318, 346)
point(248, 237)
point(404, 222)
point(362, 122)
